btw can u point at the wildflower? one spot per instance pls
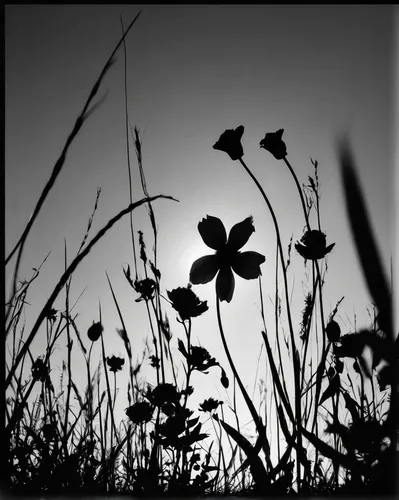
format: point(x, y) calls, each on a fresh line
point(186, 303)
point(230, 143)
point(163, 394)
point(155, 361)
point(140, 412)
point(314, 245)
point(333, 331)
point(51, 314)
point(209, 405)
point(200, 359)
point(115, 364)
point(145, 288)
point(274, 144)
point(227, 256)
point(95, 331)
point(39, 370)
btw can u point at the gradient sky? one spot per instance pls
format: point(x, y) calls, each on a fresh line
point(193, 72)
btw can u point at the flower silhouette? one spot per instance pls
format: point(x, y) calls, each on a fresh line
point(314, 245)
point(209, 405)
point(39, 370)
point(186, 303)
point(115, 364)
point(274, 144)
point(140, 412)
point(230, 143)
point(198, 358)
point(95, 331)
point(227, 256)
point(145, 288)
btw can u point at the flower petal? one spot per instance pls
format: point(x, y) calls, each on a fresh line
point(230, 143)
point(204, 270)
point(274, 144)
point(212, 232)
point(240, 233)
point(247, 264)
point(225, 284)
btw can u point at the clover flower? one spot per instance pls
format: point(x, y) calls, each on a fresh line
point(186, 303)
point(115, 364)
point(227, 256)
point(314, 245)
point(95, 331)
point(140, 412)
point(274, 144)
point(209, 405)
point(230, 143)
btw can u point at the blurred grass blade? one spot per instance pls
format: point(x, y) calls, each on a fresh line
point(363, 237)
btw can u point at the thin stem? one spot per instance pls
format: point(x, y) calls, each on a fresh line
point(295, 359)
point(259, 426)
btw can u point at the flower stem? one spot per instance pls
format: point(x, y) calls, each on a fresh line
point(258, 422)
point(295, 360)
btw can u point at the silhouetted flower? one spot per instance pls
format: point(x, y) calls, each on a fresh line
point(95, 331)
point(186, 303)
point(333, 331)
point(200, 359)
point(314, 245)
point(230, 143)
point(209, 405)
point(155, 361)
point(274, 144)
point(145, 288)
point(165, 396)
point(227, 256)
point(115, 364)
point(140, 412)
point(39, 370)
point(51, 314)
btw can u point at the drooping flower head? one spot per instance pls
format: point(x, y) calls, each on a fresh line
point(274, 144)
point(186, 303)
point(115, 364)
point(227, 256)
point(230, 143)
point(314, 245)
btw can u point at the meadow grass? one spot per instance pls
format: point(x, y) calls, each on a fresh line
point(56, 447)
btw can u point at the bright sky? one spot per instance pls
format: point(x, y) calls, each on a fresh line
point(193, 72)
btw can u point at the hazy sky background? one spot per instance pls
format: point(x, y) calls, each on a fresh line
point(193, 72)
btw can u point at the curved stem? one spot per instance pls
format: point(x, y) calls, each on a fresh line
point(318, 384)
point(295, 359)
point(259, 426)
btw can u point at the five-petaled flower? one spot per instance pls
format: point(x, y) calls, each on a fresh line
point(230, 143)
point(227, 256)
point(115, 364)
point(95, 331)
point(274, 144)
point(186, 303)
point(314, 245)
